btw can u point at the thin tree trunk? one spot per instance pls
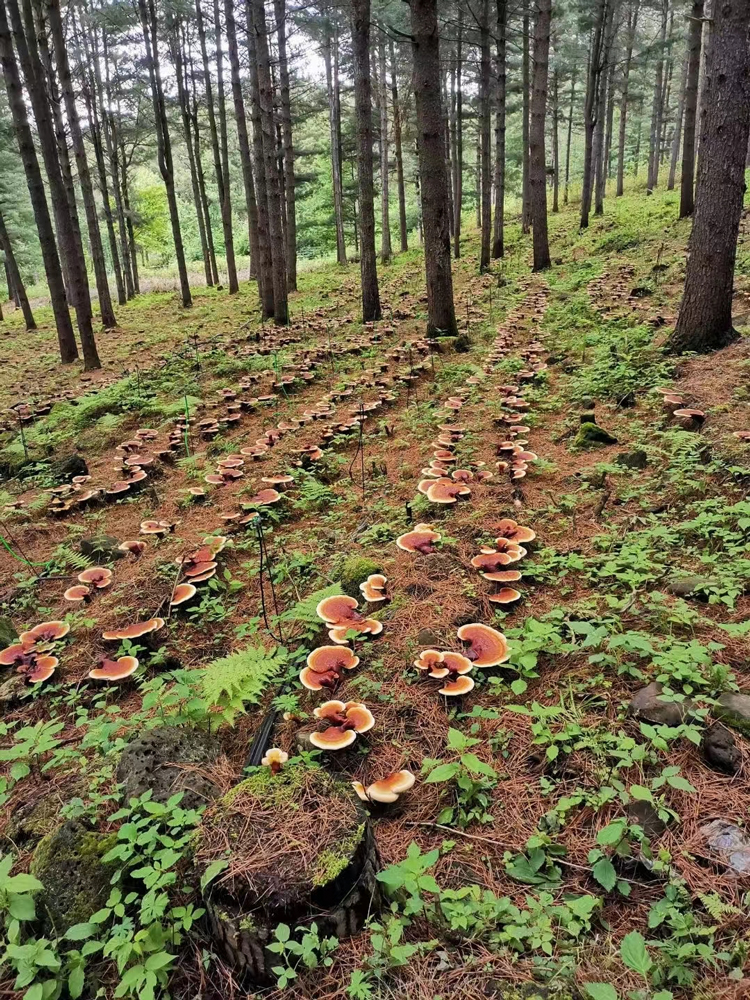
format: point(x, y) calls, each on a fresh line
point(498, 240)
point(243, 139)
point(525, 130)
point(386, 251)
point(14, 277)
point(676, 137)
point(338, 198)
point(606, 85)
point(273, 186)
point(363, 112)
point(705, 320)
point(695, 35)
point(591, 109)
point(265, 260)
point(656, 107)
point(403, 231)
point(537, 160)
point(555, 143)
point(53, 271)
point(432, 169)
point(478, 170)
point(458, 168)
point(111, 140)
point(486, 135)
point(84, 177)
point(610, 125)
point(200, 173)
point(566, 188)
point(288, 144)
point(632, 25)
point(129, 218)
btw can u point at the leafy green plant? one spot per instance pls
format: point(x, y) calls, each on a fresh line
point(310, 951)
point(471, 780)
point(231, 683)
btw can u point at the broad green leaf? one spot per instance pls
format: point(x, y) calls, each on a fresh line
point(611, 833)
point(79, 932)
point(600, 991)
point(634, 953)
point(477, 766)
point(605, 874)
point(444, 772)
point(75, 982)
point(212, 871)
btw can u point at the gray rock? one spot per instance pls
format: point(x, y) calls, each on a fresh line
point(632, 459)
point(649, 704)
point(591, 435)
point(14, 690)
point(101, 547)
point(734, 709)
point(689, 586)
point(63, 470)
point(720, 749)
point(164, 760)
point(731, 842)
point(647, 817)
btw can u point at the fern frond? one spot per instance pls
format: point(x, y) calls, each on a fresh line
point(241, 678)
point(716, 907)
point(304, 612)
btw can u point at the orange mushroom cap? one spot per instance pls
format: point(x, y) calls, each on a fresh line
point(46, 632)
point(97, 576)
point(77, 593)
point(333, 738)
point(487, 646)
point(332, 658)
point(428, 659)
point(18, 652)
point(368, 626)
point(114, 670)
point(506, 595)
point(445, 491)
point(41, 669)
point(338, 608)
point(420, 539)
point(457, 686)
point(512, 531)
point(183, 592)
point(388, 789)
point(373, 588)
point(135, 547)
point(136, 630)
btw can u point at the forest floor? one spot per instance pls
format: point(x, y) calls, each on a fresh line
point(560, 837)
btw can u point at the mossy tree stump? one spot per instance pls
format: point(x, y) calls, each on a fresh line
point(299, 849)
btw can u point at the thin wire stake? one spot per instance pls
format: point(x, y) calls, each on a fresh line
point(23, 436)
point(187, 426)
point(265, 566)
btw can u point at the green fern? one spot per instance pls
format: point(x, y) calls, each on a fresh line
point(241, 679)
point(715, 906)
point(304, 612)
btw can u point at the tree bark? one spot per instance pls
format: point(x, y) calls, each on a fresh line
point(695, 36)
point(84, 177)
point(537, 161)
point(632, 26)
point(525, 128)
point(338, 196)
point(591, 109)
point(654, 154)
point(676, 137)
point(288, 144)
point(265, 260)
point(273, 185)
point(705, 320)
point(386, 251)
point(458, 166)
point(129, 268)
point(363, 111)
point(434, 185)
point(14, 277)
point(199, 171)
point(555, 143)
point(403, 231)
point(606, 82)
point(147, 11)
point(498, 239)
point(53, 271)
point(566, 188)
point(486, 134)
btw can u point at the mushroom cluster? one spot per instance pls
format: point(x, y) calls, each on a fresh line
point(89, 581)
point(32, 654)
point(493, 562)
point(340, 612)
point(346, 721)
point(325, 667)
point(450, 667)
point(420, 539)
point(197, 567)
point(385, 790)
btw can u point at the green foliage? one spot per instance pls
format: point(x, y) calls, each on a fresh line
point(240, 679)
point(309, 952)
point(470, 780)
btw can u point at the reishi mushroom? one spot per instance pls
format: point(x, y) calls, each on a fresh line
point(386, 790)
point(348, 719)
point(373, 588)
point(114, 670)
point(135, 631)
point(275, 758)
point(419, 539)
point(324, 667)
point(97, 576)
point(487, 646)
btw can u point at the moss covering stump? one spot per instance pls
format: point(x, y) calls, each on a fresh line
point(299, 849)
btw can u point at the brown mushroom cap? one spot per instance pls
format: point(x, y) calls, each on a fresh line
point(388, 789)
point(136, 630)
point(368, 626)
point(264, 497)
point(457, 686)
point(512, 531)
point(18, 652)
point(742, 435)
point(153, 528)
point(77, 593)
point(327, 658)
point(457, 663)
point(136, 547)
point(198, 569)
point(97, 576)
point(506, 595)
point(41, 669)
point(487, 646)
point(428, 659)
point(373, 588)
point(333, 738)
point(420, 539)
point(280, 481)
point(114, 670)
point(183, 592)
point(338, 608)
point(46, 632)
point(445, 491)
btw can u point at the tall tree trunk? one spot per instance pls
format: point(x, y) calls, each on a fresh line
point(555, 142)
point(129, 216)
point(610, 124)
point(273, 186)
point(14, 277)
point(705, 320)
point(288, 142)
point(606, 84)
point(70, 246)
point(243, 140)
point(84, 177)
point(537, 162)
point(566, 188)
point(591, 109)
point(53, 271)
point(498, 236)
point(363, 112)
point(112, 143)
point(430, 144)
point(695, 35)
point(630, 42)
point(676, 137)
point(654, 154)
point(458, 167)
point(265, 260)
point(333, 124)
point(147, 11)
point(176, 44)
point(386, 251)
point(448, 156)
point(403, 232)
point(525, 129)
point(485, 125)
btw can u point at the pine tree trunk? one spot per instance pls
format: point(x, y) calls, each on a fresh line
point(566, 188)
point(65, 335)
point(555, 143)
point(129, 218)
point(243, 139)
point(448, 156)
point(84, 177)
point(14, 277)
point(70, 247)
point(485, 124)
point(525, 128)
point(606, 85)
point(147, 11)
point(676, 137)
point(610, 125)
point(458, 166)
point(430, 145)
point(632, 26)
point(403, 231)
point(537, 161)
point(338, 197)
point(654, 154)
point(265, 261)
point(199, 171)
point(695, 36)
point(386, 251)
point(591, 109)
point(498, 235)
point(363, 111)
point(288, 144)
point(705, 320)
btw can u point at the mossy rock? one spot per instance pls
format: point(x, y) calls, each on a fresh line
point(354, 571)
point(591, 435)
point(160, 761)
point(31, 821)
point(68, 863)
point(300, 849)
